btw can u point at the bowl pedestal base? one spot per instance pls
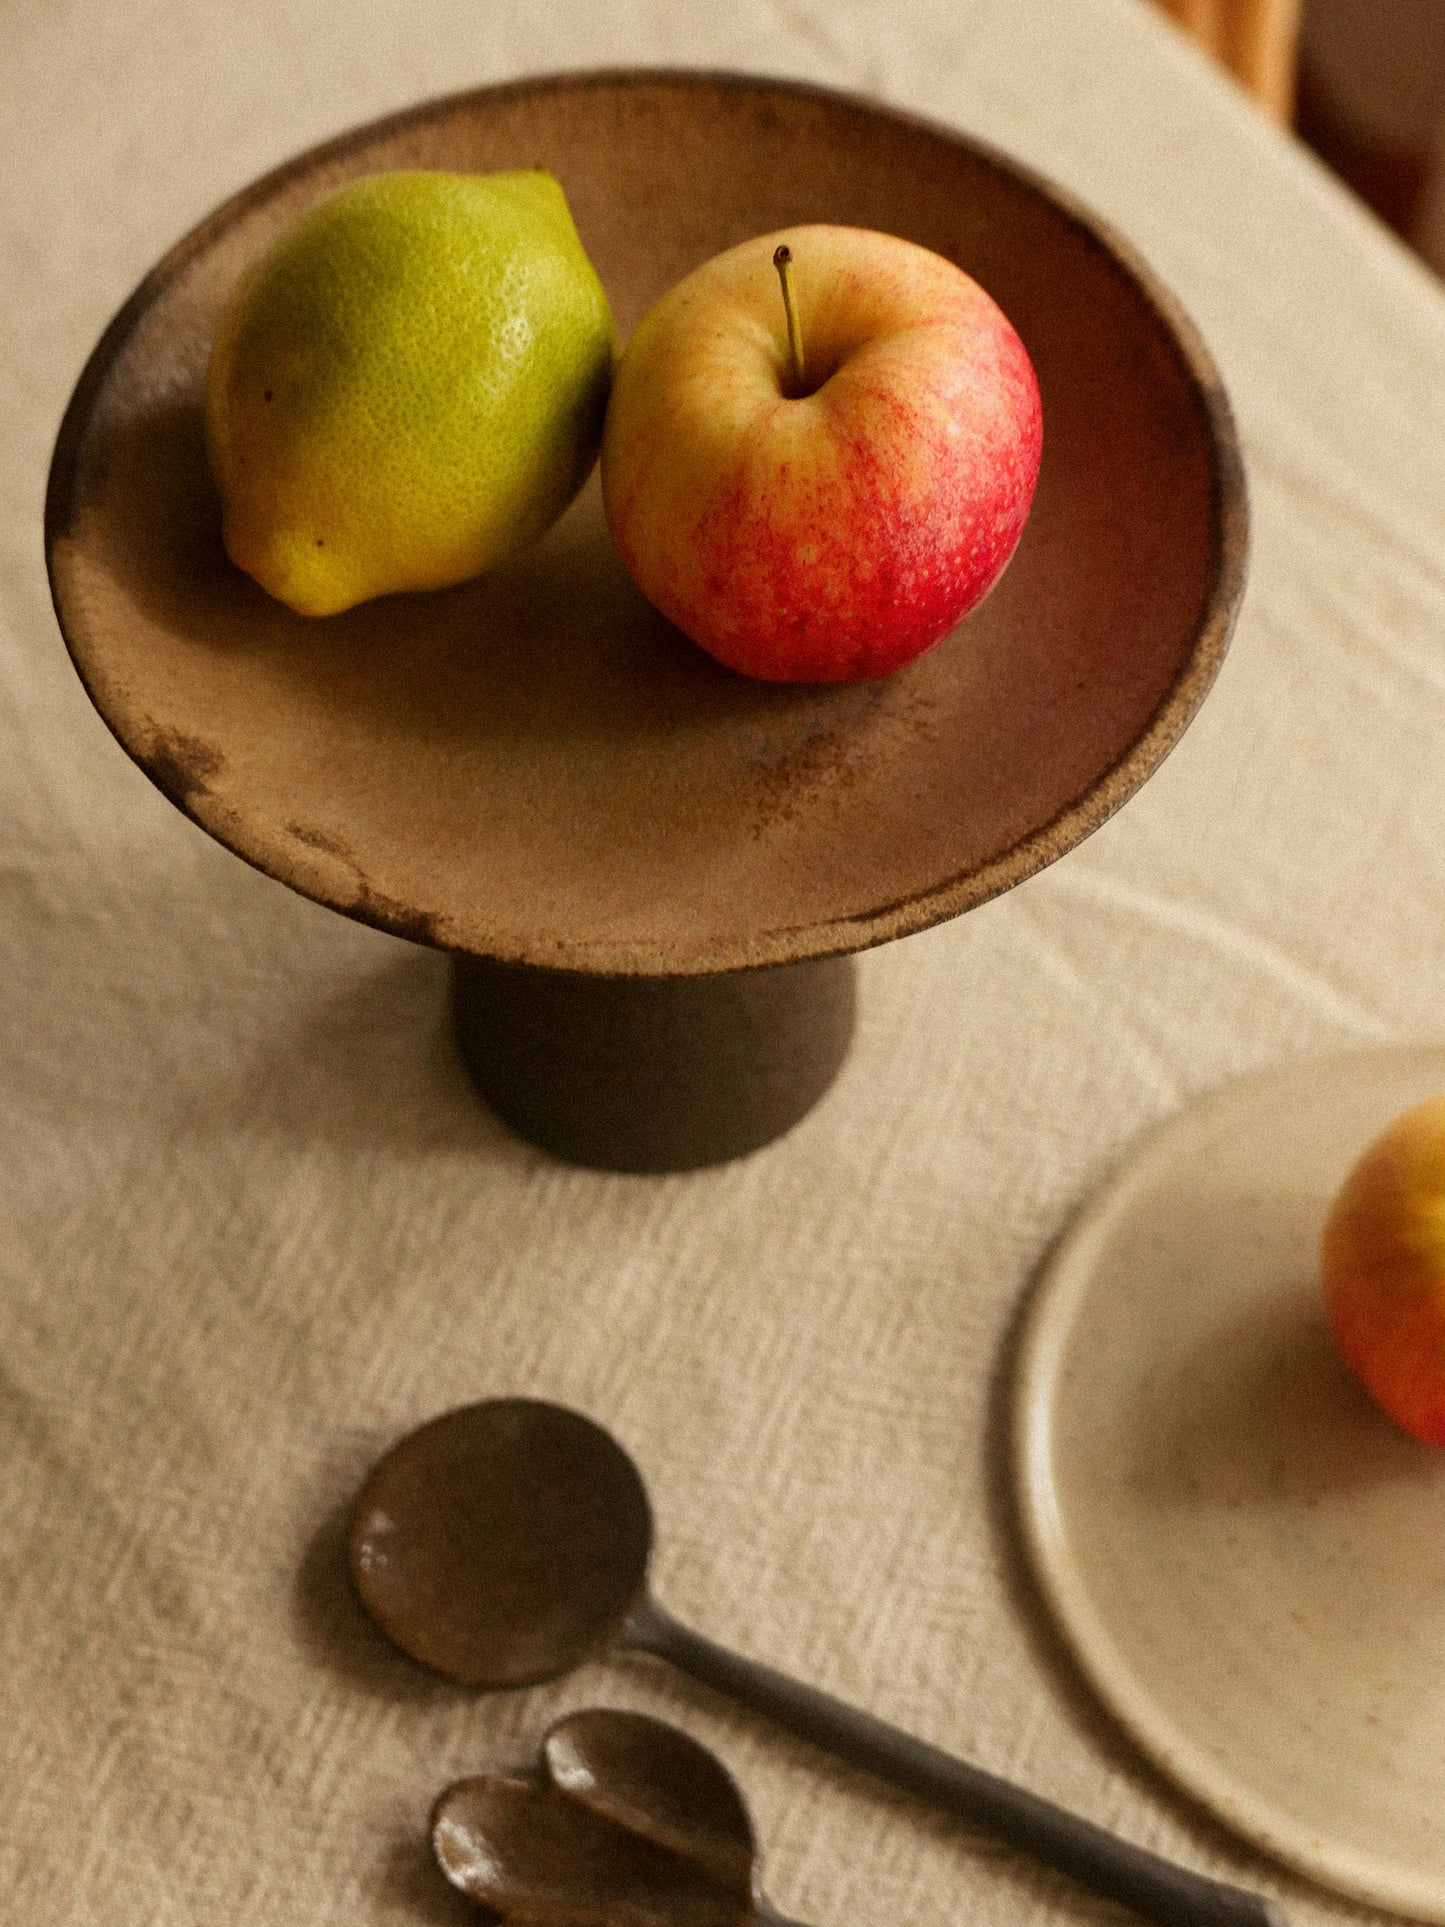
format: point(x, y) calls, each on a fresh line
point(653, 1073)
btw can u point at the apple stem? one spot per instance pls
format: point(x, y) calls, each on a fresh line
point(783, 262)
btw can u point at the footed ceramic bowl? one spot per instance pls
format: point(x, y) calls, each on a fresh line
point(535, 770)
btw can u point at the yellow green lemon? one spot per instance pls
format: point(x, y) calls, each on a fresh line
point(407, 387)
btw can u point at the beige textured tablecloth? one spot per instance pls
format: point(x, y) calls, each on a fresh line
point(253, 1225)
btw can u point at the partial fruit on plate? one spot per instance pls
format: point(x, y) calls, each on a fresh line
point(817, 482)
point(408, 386)
point(1382, 1261)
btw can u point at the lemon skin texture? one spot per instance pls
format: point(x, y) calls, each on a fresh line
point(407, 387)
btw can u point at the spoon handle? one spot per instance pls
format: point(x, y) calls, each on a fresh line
point(1157, 1889)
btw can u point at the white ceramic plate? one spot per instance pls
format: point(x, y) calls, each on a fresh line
point(1246, 1556)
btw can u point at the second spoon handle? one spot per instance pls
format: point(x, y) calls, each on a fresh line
point(1158, 1889)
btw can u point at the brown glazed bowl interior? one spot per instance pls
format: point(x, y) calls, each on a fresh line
point(535, 766)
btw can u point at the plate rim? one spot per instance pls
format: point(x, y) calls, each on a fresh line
point(1052, 1301)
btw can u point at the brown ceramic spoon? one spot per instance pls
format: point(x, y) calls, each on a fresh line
point(531, 1855)
point(638, 1820)
point(658, 1781)
point(504, 1543)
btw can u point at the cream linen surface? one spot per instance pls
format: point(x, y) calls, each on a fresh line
point(255, 1227)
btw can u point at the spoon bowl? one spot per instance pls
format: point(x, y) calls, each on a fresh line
point(535, 1857)
point(633, 1820)
point(658, 1781)
point(504, 1543)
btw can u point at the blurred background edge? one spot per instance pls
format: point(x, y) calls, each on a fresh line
point(1362, 82)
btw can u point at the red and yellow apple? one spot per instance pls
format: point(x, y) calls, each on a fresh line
point(1382, 1262)
point(827, 528)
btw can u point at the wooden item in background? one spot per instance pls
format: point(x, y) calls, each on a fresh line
point(1257, 40)
point(1372, 106)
